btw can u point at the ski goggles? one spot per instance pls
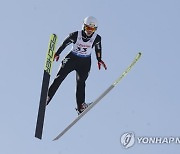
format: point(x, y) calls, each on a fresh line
point(88, 28)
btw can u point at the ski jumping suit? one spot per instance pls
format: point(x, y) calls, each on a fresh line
point(79, 59)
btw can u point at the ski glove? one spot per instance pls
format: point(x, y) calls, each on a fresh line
point(56, 57)
point(103, 64)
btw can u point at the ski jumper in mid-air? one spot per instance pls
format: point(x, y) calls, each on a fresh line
point(79, 60)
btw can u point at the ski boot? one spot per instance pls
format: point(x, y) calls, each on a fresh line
point(82, 107)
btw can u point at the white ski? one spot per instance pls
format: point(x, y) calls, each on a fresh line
point(100, 97)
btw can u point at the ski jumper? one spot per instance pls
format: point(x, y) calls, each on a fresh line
point(79, 60)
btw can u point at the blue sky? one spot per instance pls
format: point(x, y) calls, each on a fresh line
point(145, 101)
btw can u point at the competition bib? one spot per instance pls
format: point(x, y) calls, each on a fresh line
point(81, 48)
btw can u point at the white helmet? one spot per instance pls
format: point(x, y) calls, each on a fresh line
point(90, 21)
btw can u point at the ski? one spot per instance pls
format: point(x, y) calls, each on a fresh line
point(45, 85)
point(100, 97)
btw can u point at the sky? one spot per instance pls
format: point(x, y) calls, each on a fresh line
point(144, 102)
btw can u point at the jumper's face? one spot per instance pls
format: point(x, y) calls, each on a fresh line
point(89, 30)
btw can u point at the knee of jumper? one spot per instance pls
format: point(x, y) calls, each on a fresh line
point(81, 78)
point(81, 83)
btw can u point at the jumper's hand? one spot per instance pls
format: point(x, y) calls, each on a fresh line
point(103, 64)
point(56, 57)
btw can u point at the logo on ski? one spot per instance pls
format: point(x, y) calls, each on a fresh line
point(50, 54)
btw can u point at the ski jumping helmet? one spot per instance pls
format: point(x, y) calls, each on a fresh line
point(90, 23)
